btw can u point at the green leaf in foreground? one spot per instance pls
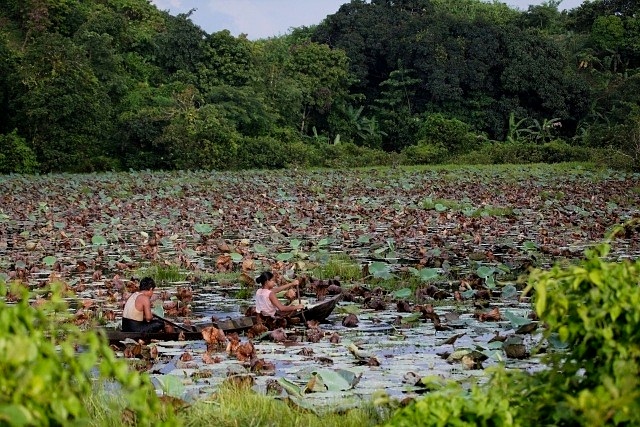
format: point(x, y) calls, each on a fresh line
point(171, 385)
point(402, 293)
point(516, 321)
point(261, 249)
point(424, 274)
point(509, 291)
point(203, 228)
point(15, 415)
point(290, 387)
point(380, 270)
point(49, 260)
point(338, 380)
point(286, 256)
point(99, 240)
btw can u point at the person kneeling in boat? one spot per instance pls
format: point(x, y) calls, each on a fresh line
point(137, 316)
point(267, 302)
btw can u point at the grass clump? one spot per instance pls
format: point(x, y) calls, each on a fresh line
point(442, 205)
point(238, 406)
point(338, 266)
point(493, 211)
point(162, 274)
point(224, 277)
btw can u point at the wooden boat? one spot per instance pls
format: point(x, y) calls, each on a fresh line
point(116, 337)
point(322, 310)
point(318, 312)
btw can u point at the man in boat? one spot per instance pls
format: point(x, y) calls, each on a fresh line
point(137, 316)
point(267, 302)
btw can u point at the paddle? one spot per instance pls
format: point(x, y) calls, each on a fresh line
point(300, 302)
point(174, 324)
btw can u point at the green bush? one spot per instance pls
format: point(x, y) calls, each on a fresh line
point(454, 135)
point(477, 157)
point(451, 405)
point(424, 154)
point(593, 337)
point(612, 158)
point(349, 155)
point(353, 155)
point(15, 155)
point(556, 151)
point(303, 155)
point(592, 307)
point(49, 367)
point(202, 139)
point(262, 153)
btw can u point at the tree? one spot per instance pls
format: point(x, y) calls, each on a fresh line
point(536, 72)
point(452, 134)
point(64, 112)
point(394, 110)
point(8, 86)
point(320, 73)
point(180, 47)
point(352, 125)
point(545, 17)
point(198, 137)
point(244, 107)
point(227, 61)
point(144, 113)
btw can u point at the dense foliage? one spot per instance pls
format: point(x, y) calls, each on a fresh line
point(118, 84)
point(592, 378)
point(50, 366)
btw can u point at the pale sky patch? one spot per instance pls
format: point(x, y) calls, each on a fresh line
point(270, 18)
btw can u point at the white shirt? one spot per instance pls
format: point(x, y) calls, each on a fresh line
point(130, 311)
point(263, 303)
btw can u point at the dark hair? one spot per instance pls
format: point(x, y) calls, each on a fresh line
point(147, 283)
point(264, 277)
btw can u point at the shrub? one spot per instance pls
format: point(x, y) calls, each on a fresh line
point(349, 155)
point(303, 155)
point(556, 151)
point(478, 157)
point(357, 156)
point(612, 158)
point(203, 139)
point(15, 155)
point(590, 309)
point(262, 153)
point(424, 154)
point(452, 134)
point(45, 379)
point(451, 405)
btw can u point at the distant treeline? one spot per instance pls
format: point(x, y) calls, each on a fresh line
point(91, 85)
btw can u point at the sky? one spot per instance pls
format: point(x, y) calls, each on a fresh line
point(269, 18)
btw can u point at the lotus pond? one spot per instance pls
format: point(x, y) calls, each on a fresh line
point(432, 261)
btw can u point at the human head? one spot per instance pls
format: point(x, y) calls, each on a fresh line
point(264, 277)
point(147, 284)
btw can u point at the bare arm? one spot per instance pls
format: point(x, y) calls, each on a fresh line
point(285, 287)
point(280, 306)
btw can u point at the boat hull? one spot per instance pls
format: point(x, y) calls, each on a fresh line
point(116, 337)
point(321, 311)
